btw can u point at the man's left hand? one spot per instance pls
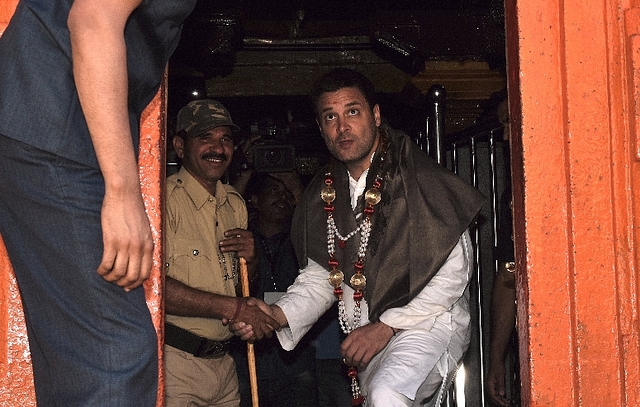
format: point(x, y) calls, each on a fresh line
point(239, 241)
point(362, 344)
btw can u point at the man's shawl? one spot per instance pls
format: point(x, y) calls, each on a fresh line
point(424, 210)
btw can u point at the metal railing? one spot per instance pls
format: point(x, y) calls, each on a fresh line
point(480, 156)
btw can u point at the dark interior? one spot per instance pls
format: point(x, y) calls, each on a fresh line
point(259, 59)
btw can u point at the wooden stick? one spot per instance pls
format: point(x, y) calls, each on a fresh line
point(251, 355)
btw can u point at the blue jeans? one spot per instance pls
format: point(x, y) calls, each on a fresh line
point(92, 344)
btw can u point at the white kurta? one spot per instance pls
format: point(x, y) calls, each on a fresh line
point(435, 327)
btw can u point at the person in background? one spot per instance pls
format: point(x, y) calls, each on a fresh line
point(75, 79)
point(284, 378)
point(330, 371)
point(503, 297)
point(334, 386)
point(397, 258)
point(205, 234)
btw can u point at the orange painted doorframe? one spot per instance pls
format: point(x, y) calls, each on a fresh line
point(574, 94)
point(16, 378)
point(574, 97)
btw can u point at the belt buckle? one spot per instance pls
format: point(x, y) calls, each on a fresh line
point(214, 350)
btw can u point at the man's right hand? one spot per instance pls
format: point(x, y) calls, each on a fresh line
point(255, 320)
point(247, 331)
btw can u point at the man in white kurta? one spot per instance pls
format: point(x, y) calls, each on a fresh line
point(406, 236)
point(434, 327)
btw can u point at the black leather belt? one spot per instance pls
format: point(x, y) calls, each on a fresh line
point(196, 345)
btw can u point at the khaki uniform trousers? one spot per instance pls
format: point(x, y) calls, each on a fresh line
point(196, 382)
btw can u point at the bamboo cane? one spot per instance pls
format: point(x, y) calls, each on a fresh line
point(251, 355)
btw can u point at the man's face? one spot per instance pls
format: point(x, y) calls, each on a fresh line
point(274, 203)
point(349, 127)
point(206, 156)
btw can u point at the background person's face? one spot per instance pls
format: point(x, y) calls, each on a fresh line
point(274, 202)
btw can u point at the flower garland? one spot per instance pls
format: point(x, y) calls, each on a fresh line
point(336, 277)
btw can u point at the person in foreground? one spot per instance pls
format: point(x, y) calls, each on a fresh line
point(383, 231)
point(205, 233)
point(75, 77)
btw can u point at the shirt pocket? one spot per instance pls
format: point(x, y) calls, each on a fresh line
point(191, 262)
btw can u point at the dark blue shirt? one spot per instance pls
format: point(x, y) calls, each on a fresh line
point(38, 100)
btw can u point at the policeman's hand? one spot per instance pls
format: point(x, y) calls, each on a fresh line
point(128, 244)
point(496, 386)
point(363, 343)
point(242, 330)
point(253, 323)
point(241, 242)
point(246, 332)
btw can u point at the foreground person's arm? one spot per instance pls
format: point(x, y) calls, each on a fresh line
point(100, 72)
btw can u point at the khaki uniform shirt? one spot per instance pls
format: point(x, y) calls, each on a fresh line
point(195, 222)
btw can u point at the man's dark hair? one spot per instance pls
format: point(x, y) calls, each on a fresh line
point(258, 182)
point(341, 78)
